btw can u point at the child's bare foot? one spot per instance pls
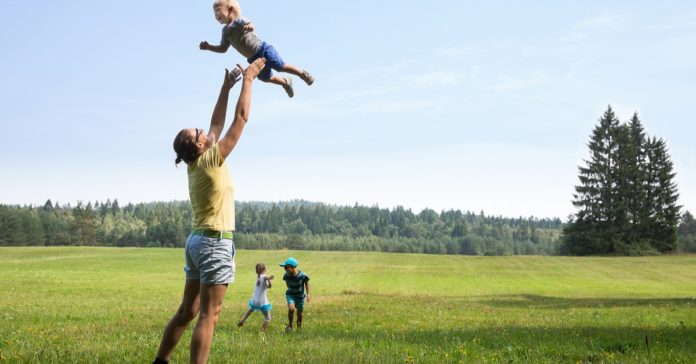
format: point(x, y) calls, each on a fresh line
point(307, 78)
point(288, 329)
point(240, 324)
point(288, 87)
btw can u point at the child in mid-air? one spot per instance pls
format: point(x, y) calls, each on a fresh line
point(239, 33)
point(259, 301)
point(298, 289)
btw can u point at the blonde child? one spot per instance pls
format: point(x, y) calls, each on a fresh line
point(298, 289)
point(259, 301)
point(238, 32)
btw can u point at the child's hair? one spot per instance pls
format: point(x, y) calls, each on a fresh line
point(233, 4)
point(260, 268)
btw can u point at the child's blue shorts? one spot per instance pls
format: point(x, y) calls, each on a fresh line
point(273, 60)
point(264, 309)
point(297, 300)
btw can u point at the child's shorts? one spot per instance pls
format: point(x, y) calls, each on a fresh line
point(265, 309)
point(297, 300)
point(273, 61)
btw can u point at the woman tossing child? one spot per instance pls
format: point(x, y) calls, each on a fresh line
point(238, 32)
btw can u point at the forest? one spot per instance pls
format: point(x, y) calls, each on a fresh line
point(293, 225)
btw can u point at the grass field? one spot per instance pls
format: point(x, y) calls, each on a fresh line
point(89, 305)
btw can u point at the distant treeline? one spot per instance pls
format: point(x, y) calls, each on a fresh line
point(293, 225)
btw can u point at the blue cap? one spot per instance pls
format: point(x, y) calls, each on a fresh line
point(290, 261)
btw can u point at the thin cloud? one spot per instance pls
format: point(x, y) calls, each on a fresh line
point(532, 80)
point(681, 21)
point(588, 28)
point(403, 105)
point(437, 78)
point(604, 22)
point(455, 52)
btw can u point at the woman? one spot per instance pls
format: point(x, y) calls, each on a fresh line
point(209, 248)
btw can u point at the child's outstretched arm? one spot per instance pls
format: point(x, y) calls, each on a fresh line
point(213, 48)
point(307, 289)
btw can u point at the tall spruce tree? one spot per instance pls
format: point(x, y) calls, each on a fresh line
point(634, 192)
point(662, 195)
point(592, 232)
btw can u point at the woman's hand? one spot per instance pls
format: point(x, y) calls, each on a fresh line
point(254, 69)
point(231, 78)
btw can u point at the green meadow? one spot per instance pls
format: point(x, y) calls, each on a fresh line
point(109, 305)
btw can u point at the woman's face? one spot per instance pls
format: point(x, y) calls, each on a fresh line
point(200, 138)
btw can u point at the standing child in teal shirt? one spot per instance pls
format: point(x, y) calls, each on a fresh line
point(298, 289)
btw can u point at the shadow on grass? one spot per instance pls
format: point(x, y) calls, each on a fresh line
point(537, 301)
point(580, 343)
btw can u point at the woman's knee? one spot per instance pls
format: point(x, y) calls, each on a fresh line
point(184, 315)
point(211, 314)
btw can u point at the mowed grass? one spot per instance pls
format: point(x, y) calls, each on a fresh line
point(104, 305)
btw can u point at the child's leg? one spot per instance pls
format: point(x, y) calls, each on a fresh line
point(246, 316)
point(290, 68)
point(282, 81)
point(291, 314)
point(274, 61)
point(299, 306)
point(285, 82)
point(266, 320)
point(303, 74)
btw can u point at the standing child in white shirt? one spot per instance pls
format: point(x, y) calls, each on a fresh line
point(259, 301)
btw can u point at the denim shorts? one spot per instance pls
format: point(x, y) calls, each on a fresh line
point(273, 61)
point(209, 260)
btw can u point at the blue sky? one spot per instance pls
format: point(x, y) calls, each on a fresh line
point(441, 104)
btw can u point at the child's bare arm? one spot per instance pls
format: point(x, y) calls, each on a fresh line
point(307, 289)
point(213, 48)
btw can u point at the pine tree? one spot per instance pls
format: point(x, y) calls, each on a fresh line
point(686, 233)
point(633, 174)
point(622, 175)
point(592, 231)
point(661, 226)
